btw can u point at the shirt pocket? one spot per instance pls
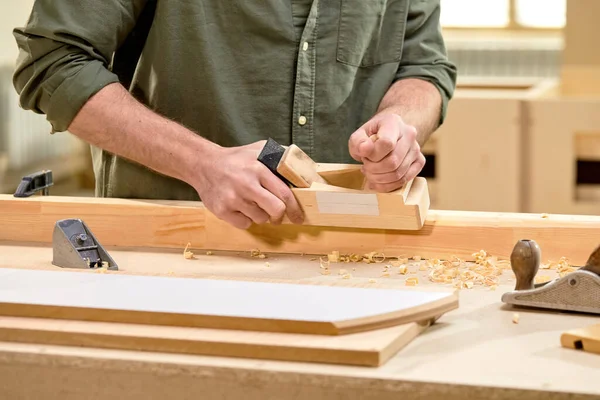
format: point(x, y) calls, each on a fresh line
point(371, 32)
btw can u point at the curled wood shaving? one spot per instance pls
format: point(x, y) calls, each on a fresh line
point(412, 281)
point(462, 275)
point(515, 318)
point(188, 255)
point(209, 253)
point(334, 256)
point(374, 257)
point(255, 253)
point(403, 269)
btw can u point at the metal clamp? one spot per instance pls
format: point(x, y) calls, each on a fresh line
point(75, 246)
point(36, 182)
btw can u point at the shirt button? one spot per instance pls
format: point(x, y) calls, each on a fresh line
point(305, 46)
point(302, 120)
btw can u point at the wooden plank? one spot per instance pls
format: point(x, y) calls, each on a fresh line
point(216, 304)
point(173, 224)
point(583, 339)
point(371, 349)
point(469, 354)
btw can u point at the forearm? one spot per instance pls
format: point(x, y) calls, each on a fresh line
point(418, 103)
point(116, 122)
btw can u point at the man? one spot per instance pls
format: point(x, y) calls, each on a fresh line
point(218, 77)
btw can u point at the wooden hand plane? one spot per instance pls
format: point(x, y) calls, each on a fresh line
point(334, 194)
point(577, 291)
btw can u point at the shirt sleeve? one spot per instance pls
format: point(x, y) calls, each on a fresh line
point(424, 53)
point(65, 50)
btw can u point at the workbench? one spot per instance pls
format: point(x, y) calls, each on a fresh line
point(478, 351)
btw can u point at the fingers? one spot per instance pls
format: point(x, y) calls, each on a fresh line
point(388, 134)
point(359, 144)
point(279, 200)
point(251, 210)
point(237, 219)
point(412, 164)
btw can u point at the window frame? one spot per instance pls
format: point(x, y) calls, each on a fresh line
point(513, 25)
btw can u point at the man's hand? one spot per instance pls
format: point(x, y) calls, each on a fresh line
point(239, 189)
point(391, 158)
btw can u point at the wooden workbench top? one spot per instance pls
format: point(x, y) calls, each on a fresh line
point(476, 351)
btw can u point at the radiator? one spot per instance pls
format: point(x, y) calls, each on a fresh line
point(25, 139)
point(520, 57)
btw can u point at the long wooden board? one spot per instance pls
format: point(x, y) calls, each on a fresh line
point(172, 224)
point(214, 303)
point(371, 349)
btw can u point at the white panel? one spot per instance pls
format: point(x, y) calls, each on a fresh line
point(347, 203)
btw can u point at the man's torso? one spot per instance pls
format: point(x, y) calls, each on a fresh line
point(237, 71)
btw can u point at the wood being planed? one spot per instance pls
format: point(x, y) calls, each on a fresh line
point(213, 303)
point(173, 224)
point(372, 349)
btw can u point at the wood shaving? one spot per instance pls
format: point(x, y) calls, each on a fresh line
point(385, 274)
point(209, 253)
point(412, 281)
point(324, 264)
point(462, 275)
point(188, 255)
point(255, 253)
point(403, 269)
point(347, 276)
point(334, 256)
point(326, 272)
point(374, 257)
point(372, 281)
point(515, 318)
point(545, 215)
point(267, 264)
point(417, 258)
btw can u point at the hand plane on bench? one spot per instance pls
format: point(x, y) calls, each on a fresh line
point(577, 291)
point(334, 194)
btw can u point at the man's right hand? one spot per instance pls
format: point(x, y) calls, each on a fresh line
point(239, 189)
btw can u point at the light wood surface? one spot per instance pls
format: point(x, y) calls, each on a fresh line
point(373, 348)
point(298, 168)
point(168, 224)
point(478, 152)
point(210, 303)
point(474, 352)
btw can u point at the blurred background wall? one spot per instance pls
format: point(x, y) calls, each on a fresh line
point(487, 157)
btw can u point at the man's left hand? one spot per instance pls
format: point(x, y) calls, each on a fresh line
point(393, 158)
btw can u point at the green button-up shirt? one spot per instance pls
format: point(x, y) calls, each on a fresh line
point(234, 71)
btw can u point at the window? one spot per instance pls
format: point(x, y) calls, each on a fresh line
point(504, 14)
